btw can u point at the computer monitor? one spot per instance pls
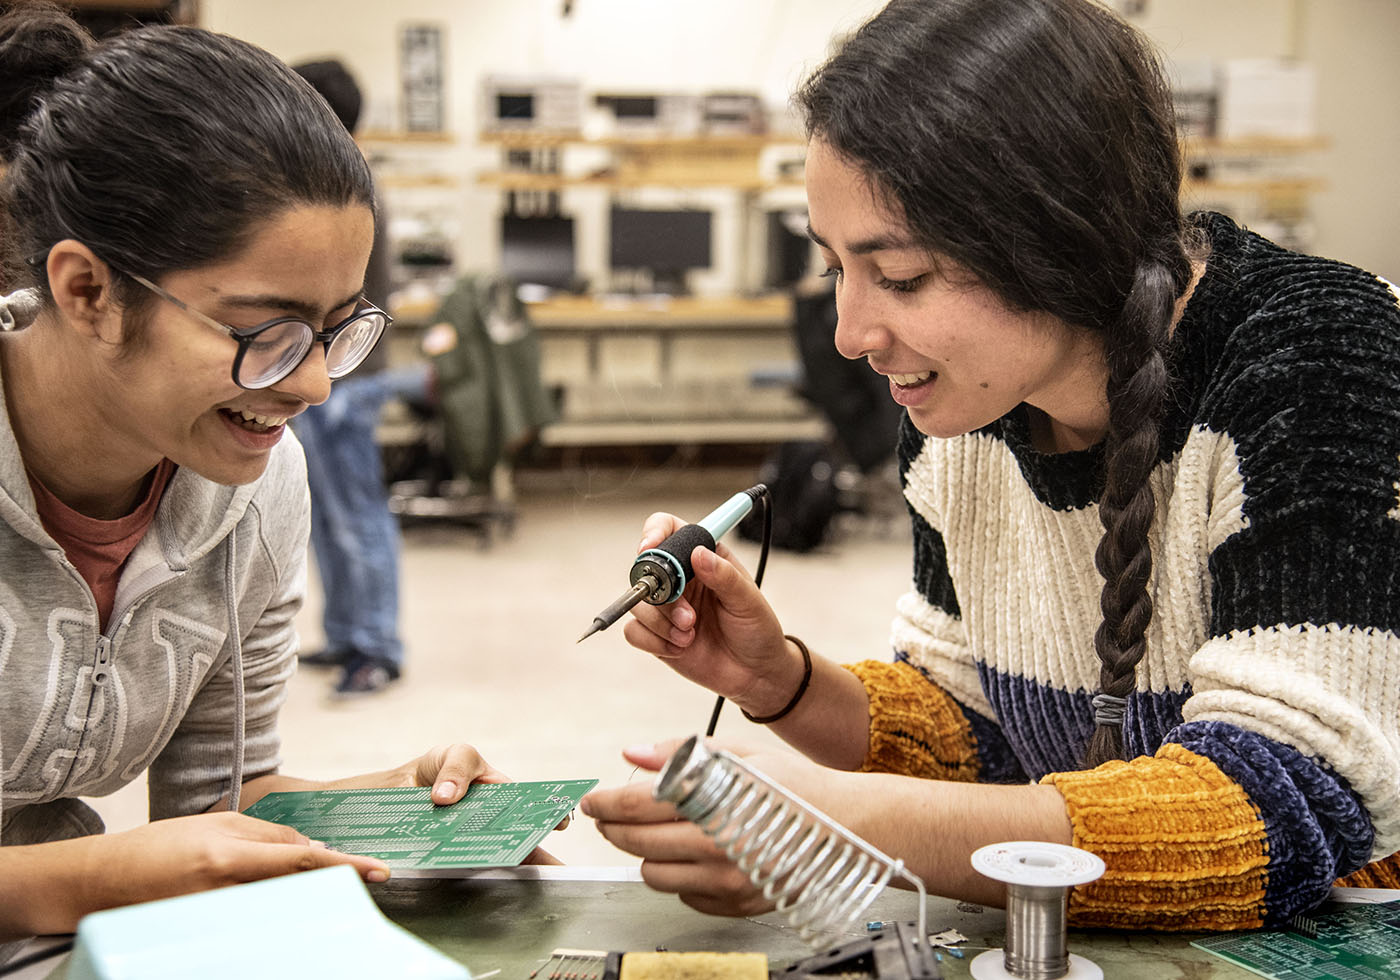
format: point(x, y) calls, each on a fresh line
point(635, 107)
point(515, 105)
point(665, 243)
point(538, 250)
point(524, 103)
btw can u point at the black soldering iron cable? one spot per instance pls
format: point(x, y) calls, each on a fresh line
point(765, 499)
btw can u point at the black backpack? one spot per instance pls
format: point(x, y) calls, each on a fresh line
point(801, 481)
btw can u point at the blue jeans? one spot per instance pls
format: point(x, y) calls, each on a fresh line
point(353, 535)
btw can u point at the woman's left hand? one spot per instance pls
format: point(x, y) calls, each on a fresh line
point(676, 854)
point(448, 769)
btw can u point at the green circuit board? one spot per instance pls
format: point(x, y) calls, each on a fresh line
point(495, 825)
point(1341, 942)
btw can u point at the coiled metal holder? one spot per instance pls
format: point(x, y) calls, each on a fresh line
point(820, 874)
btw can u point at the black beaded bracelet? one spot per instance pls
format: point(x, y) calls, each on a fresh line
point(801, 688)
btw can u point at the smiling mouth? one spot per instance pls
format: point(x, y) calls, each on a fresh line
point(254, 422)
point(912, 380)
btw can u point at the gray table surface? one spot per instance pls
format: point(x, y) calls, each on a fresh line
point(503, 924)
point(512, 921)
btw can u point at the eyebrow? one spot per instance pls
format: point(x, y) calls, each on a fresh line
point(878, 243)
point(303, 310)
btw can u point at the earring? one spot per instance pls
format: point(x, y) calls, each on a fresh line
point(18, 310)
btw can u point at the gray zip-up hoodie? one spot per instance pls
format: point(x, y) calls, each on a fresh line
point(192, 667)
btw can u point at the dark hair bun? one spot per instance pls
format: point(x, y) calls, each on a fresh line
point(333, 81)
point(39, 42)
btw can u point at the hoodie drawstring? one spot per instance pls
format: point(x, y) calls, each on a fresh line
point(239, 699)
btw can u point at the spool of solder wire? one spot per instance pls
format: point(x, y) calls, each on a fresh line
point(1038, 878)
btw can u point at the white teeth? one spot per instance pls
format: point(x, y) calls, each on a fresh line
point(905, 380)
point(270, 421)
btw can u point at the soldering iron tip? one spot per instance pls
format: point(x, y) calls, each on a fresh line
point(591, 630)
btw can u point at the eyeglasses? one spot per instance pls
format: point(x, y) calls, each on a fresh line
point(271, 351)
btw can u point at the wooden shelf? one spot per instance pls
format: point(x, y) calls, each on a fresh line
point(682, 431)
point(679, 312)
point(418, 180)
point(1275, 186)
point(660, 141)
point(665, 397)
point(1253, 146)
point(717, 160)
point(1244, 178)
point(507, 181)
point(404, 136)
point(1265, 186)
point(529, 138)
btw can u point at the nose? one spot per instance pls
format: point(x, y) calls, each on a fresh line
point(309, 380)
point(858, 330)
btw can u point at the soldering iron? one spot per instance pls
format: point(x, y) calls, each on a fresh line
point(659, 575)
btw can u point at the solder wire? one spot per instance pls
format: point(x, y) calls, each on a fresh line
point(1038, 876)
point(1036, 948)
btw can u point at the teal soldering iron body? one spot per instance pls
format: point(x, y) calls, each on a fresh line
point(668, 564)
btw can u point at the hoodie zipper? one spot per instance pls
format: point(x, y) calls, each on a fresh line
point(103, 667)
point(153, 579)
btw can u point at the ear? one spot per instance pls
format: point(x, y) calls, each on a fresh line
point(82, 290)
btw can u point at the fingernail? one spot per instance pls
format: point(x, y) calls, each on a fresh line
point(445, 790)
point(586, 807)
point(316, 843)
point(377, 876)
point(641, 748)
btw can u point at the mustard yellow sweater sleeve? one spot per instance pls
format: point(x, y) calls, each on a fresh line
point(916, 728)
point(1185, 847)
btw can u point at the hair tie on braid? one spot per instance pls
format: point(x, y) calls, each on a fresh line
point(1109, 710)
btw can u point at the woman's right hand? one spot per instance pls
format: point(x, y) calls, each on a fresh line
point(721, 633)
point(65, 880)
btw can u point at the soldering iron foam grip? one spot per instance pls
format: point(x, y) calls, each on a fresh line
point(676, 551)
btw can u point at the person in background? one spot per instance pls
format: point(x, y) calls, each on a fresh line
point(1153, 466)
point(354, 536)
point(186, 229)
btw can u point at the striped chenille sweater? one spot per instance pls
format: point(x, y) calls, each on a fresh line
point(1264, 733)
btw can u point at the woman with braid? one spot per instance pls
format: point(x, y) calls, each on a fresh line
point(1153, 466)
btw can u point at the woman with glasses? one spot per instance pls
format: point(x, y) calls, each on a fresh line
point(187, 228)
point(1153, 467)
